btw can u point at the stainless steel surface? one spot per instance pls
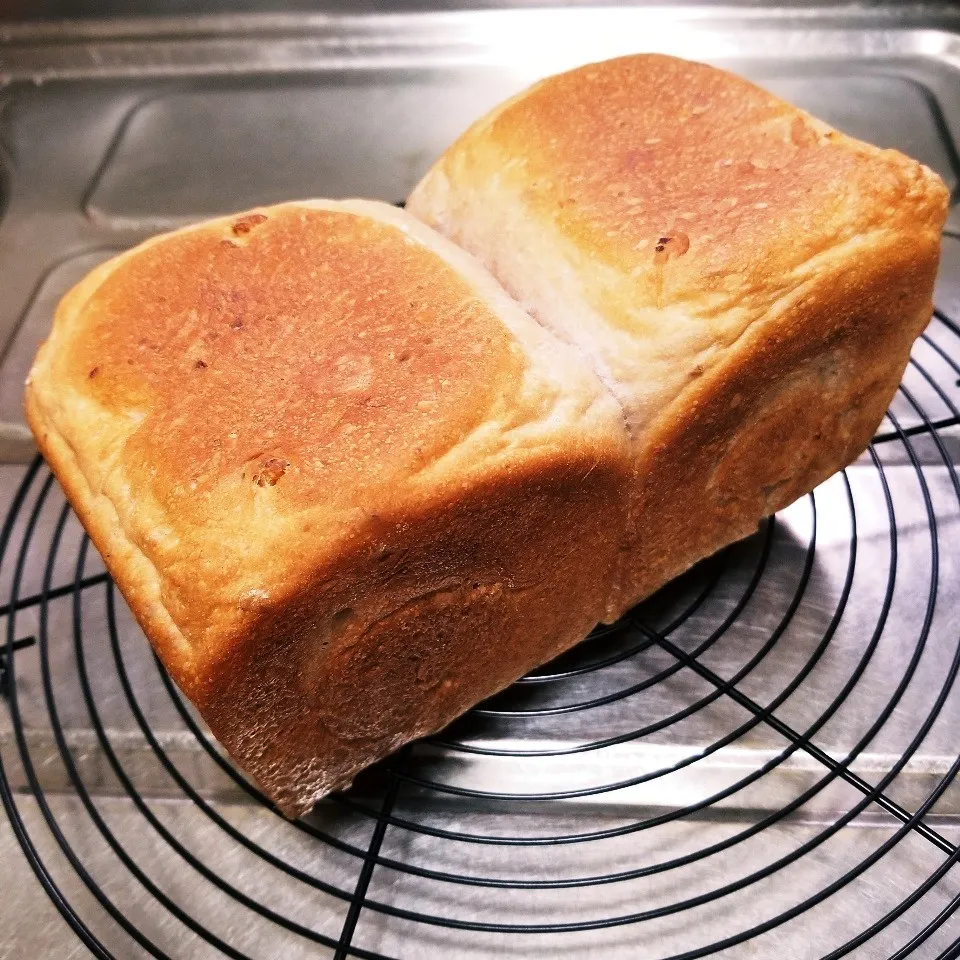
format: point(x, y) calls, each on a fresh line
point(33, 924)
point(111, 132)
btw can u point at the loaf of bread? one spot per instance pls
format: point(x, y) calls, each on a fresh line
point(347, 487)
point(746, 281)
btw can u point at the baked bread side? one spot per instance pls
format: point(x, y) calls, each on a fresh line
point(745, 279)
point(346, 486)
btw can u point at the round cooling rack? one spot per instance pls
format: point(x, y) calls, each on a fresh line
point(760, 761)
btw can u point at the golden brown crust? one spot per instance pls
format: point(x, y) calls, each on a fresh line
point(798, 399)
point(746, 280)
point(434, 613)
point(695, 186)
point(288, 430)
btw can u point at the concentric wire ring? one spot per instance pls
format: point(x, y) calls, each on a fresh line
point(411, 826)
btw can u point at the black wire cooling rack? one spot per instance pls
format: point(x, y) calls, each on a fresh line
point(760, 761)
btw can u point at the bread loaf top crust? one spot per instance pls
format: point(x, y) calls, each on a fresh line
point(652, 209)
point(236, 405)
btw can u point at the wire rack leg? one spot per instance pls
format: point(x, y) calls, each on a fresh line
point(370, 859)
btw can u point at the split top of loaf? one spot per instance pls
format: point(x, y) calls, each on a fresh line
point(350, 486)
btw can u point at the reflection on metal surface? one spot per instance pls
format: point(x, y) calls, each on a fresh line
point(183, 156)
